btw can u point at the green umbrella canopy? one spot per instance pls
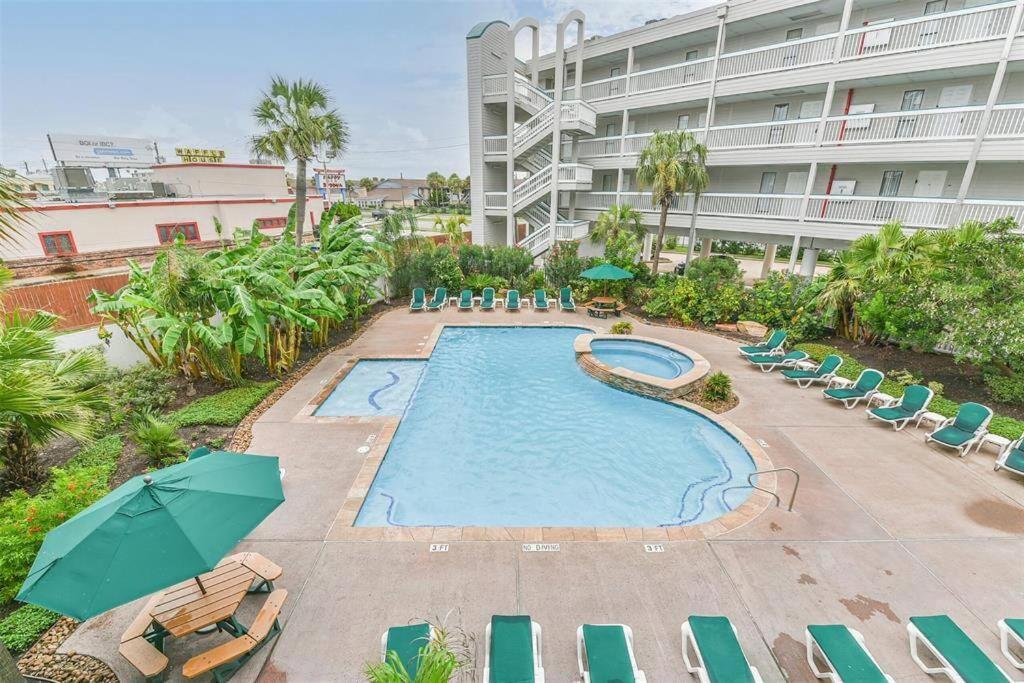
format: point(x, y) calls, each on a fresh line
point(606, 271)
point(151, 532)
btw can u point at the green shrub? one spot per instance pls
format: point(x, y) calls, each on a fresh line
point(23, 626)
point(1005, 388)
point(445, 271)
point(479, 281)
point(691, 301)
point(624, 327)
point(717, 387)
point(563, 265)
point(140, 389)
point(938, 388)
point(904, 377)
point(784, 302)
point(157, 439)
point(671, 243)
point(102, 453)
point(225, 409)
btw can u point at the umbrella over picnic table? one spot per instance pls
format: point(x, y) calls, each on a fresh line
point(151, 532)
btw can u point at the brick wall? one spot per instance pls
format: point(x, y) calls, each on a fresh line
point(66, 298)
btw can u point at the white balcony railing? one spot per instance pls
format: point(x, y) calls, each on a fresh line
point(752, 204)
point(495, 200)
point(986, 210)
point(607, 87)
point(955, 123)
point(495, 144)
point(963, 26)
point(794, 53)
point(672, 76)
point(535, 125)
point(531, 95)
point(1007, 121)
point(910, 211)
point(575, 114)
point(529, 188)
point(772, 134)
point(634, 144)
point(579, 174)
point(495, 85)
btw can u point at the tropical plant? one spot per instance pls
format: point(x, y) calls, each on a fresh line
point(437, 182)
point(717, 387)
point(624, 327)
point(453, 228)
point(297, 120)
point(44, 393)
point(156, 439)
point(457, 186)
point(368, 183)
point(11, 207)
point(444, 655)
point(671, 164)
point(618, 218)
point(563, 264)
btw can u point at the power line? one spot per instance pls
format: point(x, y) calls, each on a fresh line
point(406, 149)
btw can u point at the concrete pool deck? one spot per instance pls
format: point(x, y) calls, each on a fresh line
point(884, 528)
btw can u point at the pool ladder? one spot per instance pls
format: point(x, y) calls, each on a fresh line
point(778, 501)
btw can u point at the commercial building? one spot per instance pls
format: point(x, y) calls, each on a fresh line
point(394, 193)
point(824, 119)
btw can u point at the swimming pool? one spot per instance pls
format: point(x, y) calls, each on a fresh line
point(504, 429)
point(642, 357)
point(374, 387)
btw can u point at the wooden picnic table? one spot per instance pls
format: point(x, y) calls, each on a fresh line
point(601, 306)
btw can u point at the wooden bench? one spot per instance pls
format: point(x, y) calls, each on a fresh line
point(227, 658)
point(139, 652)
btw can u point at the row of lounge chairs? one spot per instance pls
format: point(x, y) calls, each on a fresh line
point(711, 650)
point(487, 302)
point(965, 430)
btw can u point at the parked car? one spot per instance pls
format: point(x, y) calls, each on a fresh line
point(379, 214)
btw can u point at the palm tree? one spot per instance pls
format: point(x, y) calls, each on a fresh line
point(367, 183)
point(672, 164)
point(11, 205)
point(296, 121)
point(436, 182)
point(456, 186)
point(453, 228)
point(617, 219)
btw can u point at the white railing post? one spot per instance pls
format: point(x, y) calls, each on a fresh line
point(721, 13)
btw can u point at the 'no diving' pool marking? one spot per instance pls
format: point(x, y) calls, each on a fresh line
point(541, 547)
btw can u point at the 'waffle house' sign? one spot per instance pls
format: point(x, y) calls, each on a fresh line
point(190, 155)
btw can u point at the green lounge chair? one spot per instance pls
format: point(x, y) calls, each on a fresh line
point(962, 431)
point(863, 389)
point(406, 642)
point(768, 362)
point(772, 345)
point(604, 653)
point(913, 404)
point(1011, 629)
point(540, 300)
point(1012, 457)
point(824, 372)
point(720, 658)
point(565, 301)
point(439, 301)
point(512, 300)
point(958, 657)
point(418, 302)
point(487, 300)
point(512, 651)
point(466, 299)
point(845, 653)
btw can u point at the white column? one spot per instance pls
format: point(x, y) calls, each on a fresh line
point(812, 173)
point(510, 127)
point(844, 26)
point(809, 262)
point(578, 90)
point(769, 260)
point(618, 184)
point(705, 247)
point(648, 246)
point(793, 256)
point(556, 132)
point(719, 41)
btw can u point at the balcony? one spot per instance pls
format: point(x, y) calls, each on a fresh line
point(570, 177)
point(957, 123)
point(577, 117)
point(779, 57)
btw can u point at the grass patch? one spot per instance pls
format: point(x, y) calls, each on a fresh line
point(226, 409)
point(23, 626)
point(1001, 425)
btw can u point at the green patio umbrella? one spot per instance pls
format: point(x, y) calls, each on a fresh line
point(606, 271)
point(151, 532)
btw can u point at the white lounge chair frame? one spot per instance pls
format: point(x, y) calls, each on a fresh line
point(1001, 463)
point(964, 448)
point(814, 649)
point(581, 649)
point(851, 403)
point(787, 363)
point(805, 382)
point(384, 641)
point(699, 667)
point(572, 302)
point(944, 667)
point(1005, 635)
point(538, 660)
point(547, 300)
point(904, 420)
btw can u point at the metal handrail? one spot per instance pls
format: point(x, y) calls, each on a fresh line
point(778, 501)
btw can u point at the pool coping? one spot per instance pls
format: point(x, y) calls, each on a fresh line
point(342, 529)
point(639, 382)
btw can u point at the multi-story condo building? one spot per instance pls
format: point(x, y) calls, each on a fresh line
point(823, 119)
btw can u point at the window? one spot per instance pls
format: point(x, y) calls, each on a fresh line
point(167, 232)
point(794, 34)
point(912, 101)
point(607, 183)
point(935, 7)
point(890, 187)
point(609, 130)
point(58, 243)
point(691, 55)
point(271, 223)
point(682, 122)
point(765, 204)
point(614, 71)
point(780, 112)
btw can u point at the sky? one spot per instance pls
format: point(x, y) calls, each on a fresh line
point(189, 73)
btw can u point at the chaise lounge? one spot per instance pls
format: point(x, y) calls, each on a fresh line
point(487, 300)
point(1011, 629)
point(823, 373)
point(957, 656)
point(719, 656)
point(540, 300)
point(911, 406)
point(1012, 457)
point(439, 301)
point(845, 653)
point(418, 302)
point(512, 652)
point(565, 301)
point(466, 300)
point(773, 345)
point(405, 642)
point(768, 362)
point(964, 429)
point(863, 389)
point(604, 653)
point(512, 302)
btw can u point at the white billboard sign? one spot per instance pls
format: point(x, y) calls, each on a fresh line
point(102, 151)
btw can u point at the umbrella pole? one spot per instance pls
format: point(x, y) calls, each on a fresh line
point(201, 586)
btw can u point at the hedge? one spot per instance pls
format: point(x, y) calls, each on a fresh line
point(1002, 425)
point(225, 409)
point(23, 626)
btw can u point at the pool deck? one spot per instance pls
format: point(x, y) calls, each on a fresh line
point(885, 527)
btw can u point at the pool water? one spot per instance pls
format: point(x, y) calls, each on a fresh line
point(504, 429)
point(643, 357)
point(374, 387)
